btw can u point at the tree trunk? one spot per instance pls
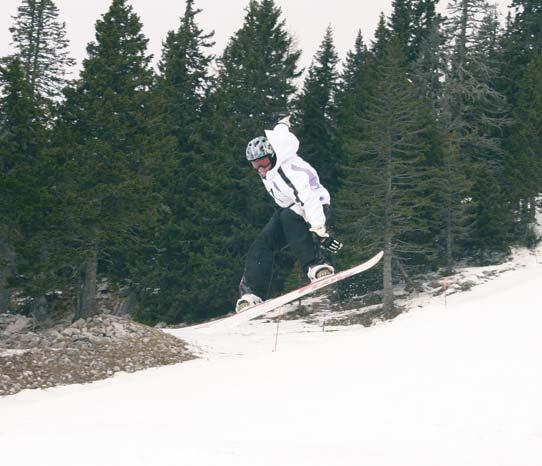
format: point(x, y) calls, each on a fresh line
point(532, 209)
point(388, 276)
point(86, 298)
point(7, 260)
point(129, 304)
point(410, 284)
point(449, 241)
point(40, 309)
point(388, 235)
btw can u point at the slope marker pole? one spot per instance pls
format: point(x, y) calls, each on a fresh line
point(277, 333)
point(445, 293)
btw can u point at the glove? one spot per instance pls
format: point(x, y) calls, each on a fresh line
point(283, 117)
point(326, 241)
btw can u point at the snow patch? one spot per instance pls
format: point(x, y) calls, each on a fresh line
point(455, 381)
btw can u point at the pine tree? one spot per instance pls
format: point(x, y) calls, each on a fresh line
point(521, 48)
point(21, 139)
point(184, 78)
point(424, 23)
point(259, 65)
point(528, 28)
point(410, 23)
point(382, 37)
point(521, 41)
point(25, 203)
point(102, 141)
point(429, 68)
point(40, 39)
point(400, 23)
point(255, 82)
point(352, 78)
point(352, 94)
point(470, 99)
point(183, 180)
point(524, 164)
point(455, 209)
point(490, 232)
point(20, 128)
point(317, 114)
point(384, 190)
point(41, 70)
point(472, 112)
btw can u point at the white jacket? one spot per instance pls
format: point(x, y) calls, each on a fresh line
point(292, 182)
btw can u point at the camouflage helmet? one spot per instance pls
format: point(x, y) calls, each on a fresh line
point(259, 147)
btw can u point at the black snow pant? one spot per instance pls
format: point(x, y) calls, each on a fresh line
point(284, 228)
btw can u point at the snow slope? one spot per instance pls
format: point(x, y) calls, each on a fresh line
point(441, 385)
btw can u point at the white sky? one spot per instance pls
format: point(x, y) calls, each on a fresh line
point(306, 20)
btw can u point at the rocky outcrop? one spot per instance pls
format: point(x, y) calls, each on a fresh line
point(84, 351)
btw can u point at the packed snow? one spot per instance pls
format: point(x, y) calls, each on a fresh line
point(455, 381)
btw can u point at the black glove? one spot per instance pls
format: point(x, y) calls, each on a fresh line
point(331, 244)
point(326, 241)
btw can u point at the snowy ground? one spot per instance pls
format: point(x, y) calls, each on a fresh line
point(454, 384)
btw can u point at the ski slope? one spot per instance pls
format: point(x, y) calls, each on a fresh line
point(454, 384)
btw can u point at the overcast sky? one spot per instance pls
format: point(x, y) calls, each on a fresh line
point(306, 20)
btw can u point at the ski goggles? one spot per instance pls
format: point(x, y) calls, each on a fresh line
point(263, 163)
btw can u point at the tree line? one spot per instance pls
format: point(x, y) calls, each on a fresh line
point(429, 138)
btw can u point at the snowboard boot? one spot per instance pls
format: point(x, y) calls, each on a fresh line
point(246, 301)
point(316, 272)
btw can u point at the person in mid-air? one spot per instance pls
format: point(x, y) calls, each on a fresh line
point(299, 219)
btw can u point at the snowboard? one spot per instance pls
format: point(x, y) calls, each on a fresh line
point(235, 318)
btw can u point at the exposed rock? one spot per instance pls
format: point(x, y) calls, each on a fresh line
point(18, 324)
point(84, 351)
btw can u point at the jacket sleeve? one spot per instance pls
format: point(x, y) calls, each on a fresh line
point(306, 197)
point(283, 141)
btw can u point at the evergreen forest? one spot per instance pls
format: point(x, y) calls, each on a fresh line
point(428, 137)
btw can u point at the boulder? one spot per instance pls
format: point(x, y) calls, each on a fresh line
point(19, 324)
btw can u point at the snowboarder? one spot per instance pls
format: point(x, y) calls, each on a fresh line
point(299, 219)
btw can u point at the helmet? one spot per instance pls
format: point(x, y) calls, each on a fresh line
point(259, 147)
